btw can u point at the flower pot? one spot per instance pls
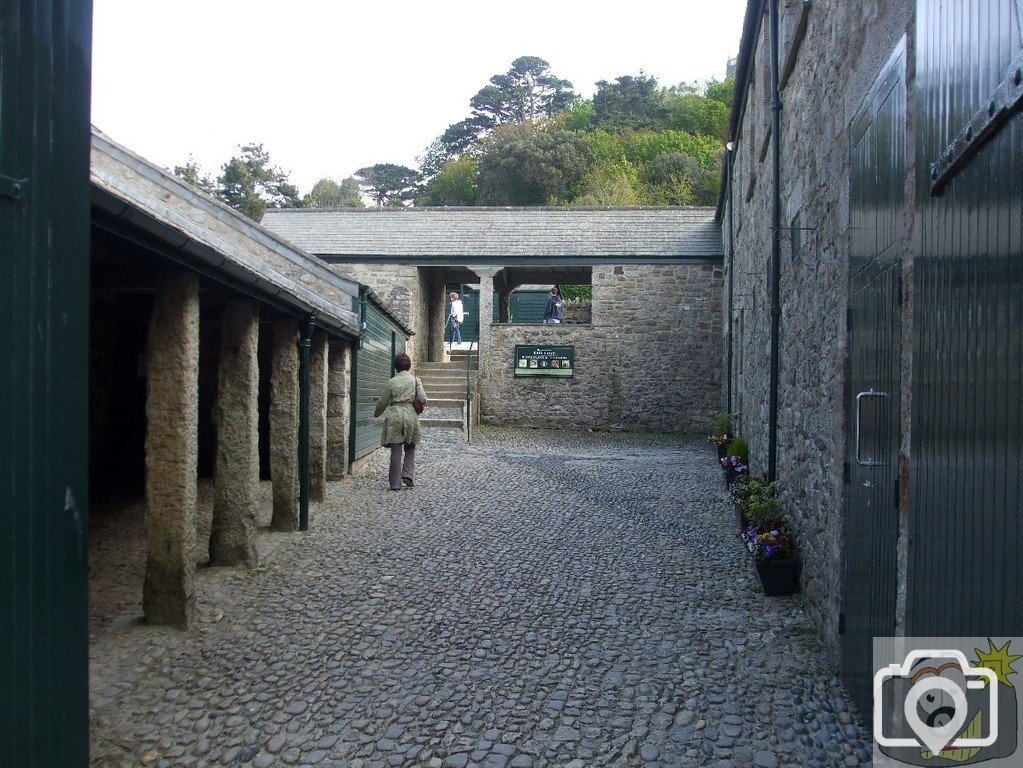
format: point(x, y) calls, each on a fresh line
point(779, 577)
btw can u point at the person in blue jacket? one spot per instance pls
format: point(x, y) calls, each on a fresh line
point(555, 310)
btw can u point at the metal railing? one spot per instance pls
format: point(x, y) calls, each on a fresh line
point(468, 390)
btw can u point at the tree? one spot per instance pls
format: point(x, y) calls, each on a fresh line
point(455, 184)
point(433, 159)
point(388, 184)
point(700, 116)
point(191, 172)
point(611, 184)
point(527, 91)
point(327, 193)
point(250, 184)
point(628, 103)
point(641, 147)
point(532, 164)
point(680, 179)
point(578, 116)
point(723, 92)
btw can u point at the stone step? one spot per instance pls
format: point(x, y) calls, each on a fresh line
point(445, 392)
point(431, 422)
point(425, 367)
point(451, 386)
point(447, 381)
point(443, 414)
point(445, 402)
point(445, 373)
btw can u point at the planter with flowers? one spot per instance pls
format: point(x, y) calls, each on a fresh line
point(767, 537)
point(736, 461)
point(721, 432)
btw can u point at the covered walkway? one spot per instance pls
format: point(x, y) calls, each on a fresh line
point(582, 602)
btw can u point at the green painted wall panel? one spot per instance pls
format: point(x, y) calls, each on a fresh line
point(373, 370)
point(44, 284)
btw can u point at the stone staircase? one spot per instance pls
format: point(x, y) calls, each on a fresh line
point(445, 388)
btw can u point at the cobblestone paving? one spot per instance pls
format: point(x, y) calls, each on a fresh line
point(538, 599)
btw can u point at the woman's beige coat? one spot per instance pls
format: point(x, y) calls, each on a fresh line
point(401, 422)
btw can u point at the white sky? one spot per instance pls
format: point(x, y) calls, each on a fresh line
point(329, 87)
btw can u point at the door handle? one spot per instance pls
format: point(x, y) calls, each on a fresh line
point(859, 403)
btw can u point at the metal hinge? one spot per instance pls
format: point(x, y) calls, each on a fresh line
point(841, 623)
point(984, 124)
point(14, 189)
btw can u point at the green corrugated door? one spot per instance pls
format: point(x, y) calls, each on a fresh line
point(527, 306)
point(44, 284)
point(374, 366)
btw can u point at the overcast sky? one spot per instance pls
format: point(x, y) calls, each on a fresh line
point(329, 87)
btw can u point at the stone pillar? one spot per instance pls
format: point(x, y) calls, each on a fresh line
point(438, 320)
point(318, 417)
point(172, 449)
point(339, 373)
point(236, 415)
point(284, 425)
point(486, 312)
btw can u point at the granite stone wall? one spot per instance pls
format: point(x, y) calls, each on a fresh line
point(845, 47)
point(405, 291)
point(648, 360)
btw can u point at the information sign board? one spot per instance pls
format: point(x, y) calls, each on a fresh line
point(544, 361)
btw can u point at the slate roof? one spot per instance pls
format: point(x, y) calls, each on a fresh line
point(508, 235)
point(131, 189)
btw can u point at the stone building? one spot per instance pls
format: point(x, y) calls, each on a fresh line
point(646, 359)
point(197, 319)
point(868, 225)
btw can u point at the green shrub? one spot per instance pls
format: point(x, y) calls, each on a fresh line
point(759, 503)
point(721, 424)
point(739, 447)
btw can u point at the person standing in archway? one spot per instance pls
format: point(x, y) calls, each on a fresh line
point(456, 318)
point(555, 310)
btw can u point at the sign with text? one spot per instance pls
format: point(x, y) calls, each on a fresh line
point(544, 361)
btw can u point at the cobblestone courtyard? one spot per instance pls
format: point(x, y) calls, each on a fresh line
point(538, 599)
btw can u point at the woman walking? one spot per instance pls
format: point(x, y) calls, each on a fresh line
point(401, 422)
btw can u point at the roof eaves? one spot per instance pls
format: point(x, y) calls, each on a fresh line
point(743, 78)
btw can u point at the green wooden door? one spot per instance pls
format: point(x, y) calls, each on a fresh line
point(44, 293)
point(374, 366)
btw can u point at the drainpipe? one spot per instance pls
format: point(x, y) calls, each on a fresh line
point(353, 389)
point(731, 268)
point(775, 277)
point(304, 385)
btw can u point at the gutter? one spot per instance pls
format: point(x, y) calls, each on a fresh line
point(743, 78)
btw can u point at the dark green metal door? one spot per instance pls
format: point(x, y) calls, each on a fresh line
point(44, 284)
point(965, 533)
point(874, 384)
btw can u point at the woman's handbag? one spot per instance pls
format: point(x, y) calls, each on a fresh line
point(417, 404)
